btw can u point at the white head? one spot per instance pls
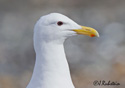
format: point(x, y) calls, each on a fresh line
point(56, 27)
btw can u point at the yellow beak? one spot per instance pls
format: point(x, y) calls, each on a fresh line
point(87, 31)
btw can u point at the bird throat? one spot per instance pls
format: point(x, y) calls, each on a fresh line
point(51, 68)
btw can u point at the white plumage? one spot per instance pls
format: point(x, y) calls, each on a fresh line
point(51, 68)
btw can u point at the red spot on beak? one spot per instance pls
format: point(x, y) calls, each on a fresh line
point(92, 35)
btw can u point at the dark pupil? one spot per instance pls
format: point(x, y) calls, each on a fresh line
point(60, 23)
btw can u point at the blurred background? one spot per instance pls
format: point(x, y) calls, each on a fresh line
point(90, 59)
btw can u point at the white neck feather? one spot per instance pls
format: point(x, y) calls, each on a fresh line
point(51, 68)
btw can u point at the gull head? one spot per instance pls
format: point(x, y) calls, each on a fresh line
point(56, 27)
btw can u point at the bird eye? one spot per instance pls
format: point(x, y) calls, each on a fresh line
point(59, 23)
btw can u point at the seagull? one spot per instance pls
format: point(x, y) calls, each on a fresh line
point(51, 67)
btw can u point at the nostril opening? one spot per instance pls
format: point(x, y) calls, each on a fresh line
point(88, 30)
